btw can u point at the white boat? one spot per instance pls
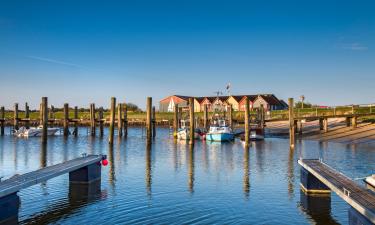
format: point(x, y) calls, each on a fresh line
point(183, 133)
point(219, 131)
point(370, 180)
point(256, 134)
point(34, 131)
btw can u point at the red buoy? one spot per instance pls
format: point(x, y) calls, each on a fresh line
point(104, 162)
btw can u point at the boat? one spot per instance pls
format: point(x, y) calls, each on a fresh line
point(34, 131)
point(183, 132)
point(370, 180)
point(256, 134)
point(219, 131)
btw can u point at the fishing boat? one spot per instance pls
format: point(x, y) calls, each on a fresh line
point(370, 180)
point(34, 131)
point(219, 131)
point(183, 132)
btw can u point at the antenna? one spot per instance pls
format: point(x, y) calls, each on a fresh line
point(218, 93)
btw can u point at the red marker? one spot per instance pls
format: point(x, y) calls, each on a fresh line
point(104, 162)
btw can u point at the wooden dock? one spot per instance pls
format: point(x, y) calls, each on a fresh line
point(318, 177)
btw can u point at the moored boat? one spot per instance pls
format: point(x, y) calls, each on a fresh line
point(34, 131)
point(219, 131)
point(183, 133)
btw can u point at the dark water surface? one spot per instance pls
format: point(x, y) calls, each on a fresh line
point(171, 183)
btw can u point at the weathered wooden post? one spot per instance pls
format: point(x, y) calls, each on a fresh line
point(119, 119)
point(354, 122)
point(41, 114)
point(261, 116)
point(148, 118)
point(52, 112)
point(2, 118)
point(27, 116)
point(291, 123)
point(348, 121)
point(66, 119)
point(92, 120)
point(125, 120)
point(112, 120)
point(175, 121)
point(15, 123)
point(153, 122)
point(247, 121)
point(325, 124)
point(205, 117)
point(230, 116)
point(316, 111)
point(101, 116)
point(44, 118)
point(353, 110)
point(75, 132)
point(192, 121)
point(321, 127)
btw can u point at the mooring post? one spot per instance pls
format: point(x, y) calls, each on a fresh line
point(291, 123)
point(321, 127)
point(354, 122)
point(247, 121)
point(348, 121)
point(230, 115)
point(205, 117)
point(92, 119)
point(192, 121)
point(44, 119)
point(101, 116)
point(125, 120)
point(299, 127)
point(119, 120)
point(2, 118)
point(51, 112)
point(353, 111)
point(75, 132)
point(325, 124)
point(41, 114)
point(149, 118)
point(112, 120)
point(153, 122)
point(27, 116)
point(66, 119)
point(262, 115)
point(15, 123)
point(175, 121)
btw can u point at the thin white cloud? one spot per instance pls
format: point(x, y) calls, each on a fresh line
point(53, 61)
point(354, 46)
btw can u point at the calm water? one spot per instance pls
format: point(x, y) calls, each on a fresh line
point(170, 183)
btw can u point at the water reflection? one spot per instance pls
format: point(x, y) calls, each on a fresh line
point(148, 167)
point(246, 168)
point(43, 154)
point(191, 168)
point(111, 175)
point(290, 173)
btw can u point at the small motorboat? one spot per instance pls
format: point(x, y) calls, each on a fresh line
point(219, 131)
point(370, 180)
point(183, 133)
point(34, 131)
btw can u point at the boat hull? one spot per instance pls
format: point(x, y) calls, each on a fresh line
point(185, 135)
point(370, 181)
point(220, 137)
point(36, 132)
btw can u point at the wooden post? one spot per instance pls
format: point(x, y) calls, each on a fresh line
point(334, 111)
point(299, 125)
point(92, 119)
point(66, 119)
point(75, 132)
point(247, 121)
point(27, 116)
point(16, 116)
point(325, 123)
point(125, 120)
point(41, 114)
point(261, 116)
point(348, 121)
point(2, 118)
point(148, 118)
point(153, 122)
point(295, 124)
point(44, 118)
point(205, 117)
point(52, 112)
point(354, 122)
point(353, 111)
point(101, 129)
point(119, 119)
point(192, 121)
point(321, 127)
point(316, 111)
point(291, 123)
point(230, 115)
point(112, 120)
point(175, 120)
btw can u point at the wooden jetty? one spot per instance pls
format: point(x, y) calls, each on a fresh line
point(81, 170)
point(319, 178)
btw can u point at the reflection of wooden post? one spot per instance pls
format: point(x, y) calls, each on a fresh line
point(247, 121)
point(153, 122)
point(44, 118)
point(2, 118)
point(119, 119)
point(291, 123)
point(230, 116)
point(175, 120)
point(101, 129)
point(75, 121)
point(148, 118)
point(192, 121)
point(16, 116)
point(125, 120)
point(112, 120)
point(66, 119)
point(27, 116)
point(92, 119)
point(205, 117)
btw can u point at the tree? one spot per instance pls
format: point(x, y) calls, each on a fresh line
point(132, 107)
point(298, 105)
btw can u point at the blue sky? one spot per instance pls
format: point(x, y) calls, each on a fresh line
point(83, 51)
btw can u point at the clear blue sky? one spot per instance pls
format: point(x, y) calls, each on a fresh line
point(82, 51)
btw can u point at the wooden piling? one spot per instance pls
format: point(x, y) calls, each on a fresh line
point(153, 122)
point(101, 116)
point(321, 126)
point(192, 121)
point(348, 121)
point(75, 132)
point(175, 120)
point(27, 116)
point(52, 112)
point(354, 122)
point(125, 120)
point(119, 120)
point(291, 123)
point(41, 114)
point(205, 117)
point(230, 116)
point(112, 120)
point(44, 118)
point(247, 121)
point(325, 124)
point(15, 122)
point(66, 119)
point(149, 118)
point(261, 116)
point(2, 118)
point(92, 120)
